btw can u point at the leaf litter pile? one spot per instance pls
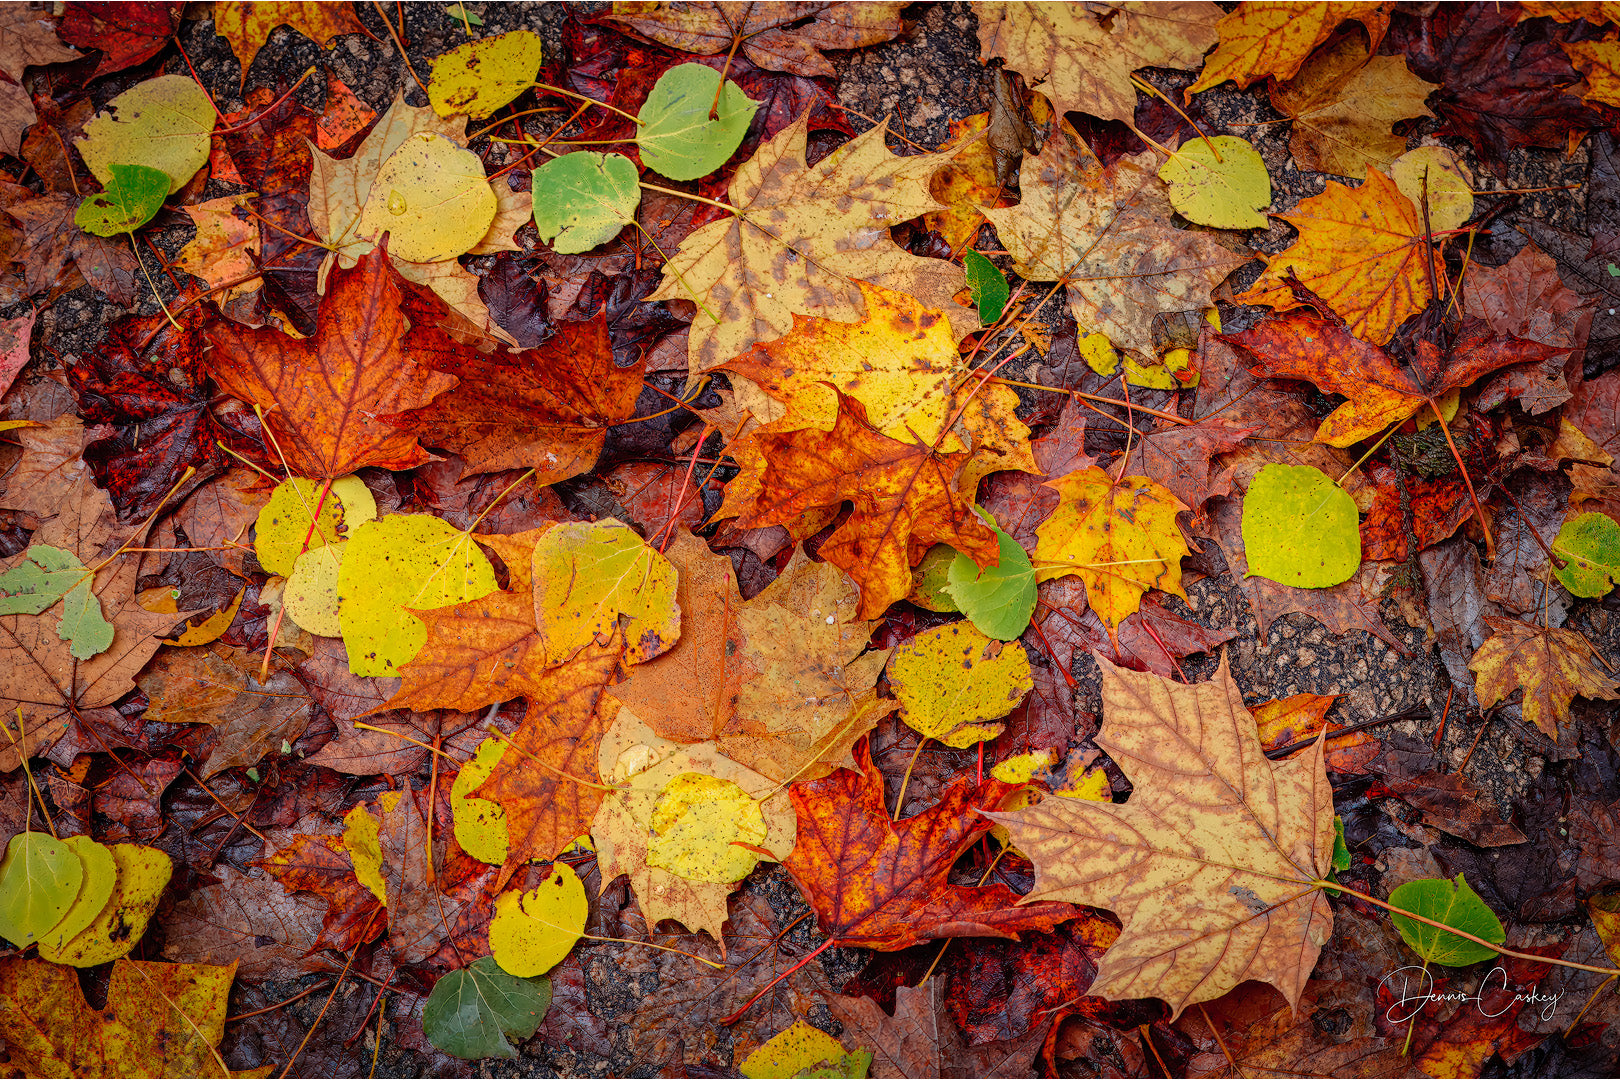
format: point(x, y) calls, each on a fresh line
point(580, 545)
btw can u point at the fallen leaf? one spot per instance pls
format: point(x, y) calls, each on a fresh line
point(1105, 233)
point(248, 26)
point(325, 396)
point(250, 920)
point(968, 184)
point(252, 719)
point(881, 884)
point(763, 30)
point(1082, 56)
point(1268, 38)
point(317, 863)
point(952, 682)
point(919, 1041)
point(163, 123)
point(479, 77)
point(225, 251)
point(1525, 298)
point(1552, 666)
point(1453, 805)
point(126, 33)
point(590, 580)
point(1343, 101)
point(1220, 181)
point(1181, 458)
point(1210, 864)
point(28, 38)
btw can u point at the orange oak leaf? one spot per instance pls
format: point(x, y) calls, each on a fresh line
point(324, 397)
point(548, 407)
point(1360, 249)
point(1273, 37)
point(904, 496)
point(537, 779)
point(1211, 864)
point(881, 884)
point(1382, 391)
point(1553, 666)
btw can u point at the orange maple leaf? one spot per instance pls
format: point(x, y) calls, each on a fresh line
point(1361, 250)
point(324, 397)
point(904, 496)
point(1273, 37)
point(248, 26)
point(881, 884)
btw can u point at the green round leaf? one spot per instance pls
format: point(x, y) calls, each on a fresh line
point(931, 577)
point(39, 880)
point(989, 286)
point(1299, 528)
point(1590, 548)
point(1454, 904)
point(471, 1011)
point(479, 77)
point(1225, 192)
point(164, 123)
point(677, 138)
point(45, 575)
point(134, 195)
point(998, 600)
point(584, 199)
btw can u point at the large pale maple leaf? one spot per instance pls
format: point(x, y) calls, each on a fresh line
point(1381, 389)
point(1211, 864)
point(1343, 102)
point(1082, 55)
point(1106, 233)
point(325, 397)
point(882, 884)
point(801, 237)
point(904, 497)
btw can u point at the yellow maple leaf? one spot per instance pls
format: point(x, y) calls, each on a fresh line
point(247, 26)
point(1120, 538)
point(1273, 37)
point(1553, 666)
point(1360, 249)
point(1599, 61)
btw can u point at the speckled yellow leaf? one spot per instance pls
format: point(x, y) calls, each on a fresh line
point(283, 530)
point(590, 575)
point(479, 77)
point(480, 823)
point(953, 681)
point(162, 123)
point(362, 840)
point(100, 879)
point(700, 826)
point(143, 875)
point(431, 198)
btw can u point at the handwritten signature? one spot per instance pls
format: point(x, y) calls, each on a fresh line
point(1416, 989)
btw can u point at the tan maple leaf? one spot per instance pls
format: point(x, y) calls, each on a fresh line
point(1211, 864)
point(1343, 103)
point(28, 37)
point(1082, 55)
point(801, 237)
point(706, 27)
point(1106, 233)
point(1554, 666)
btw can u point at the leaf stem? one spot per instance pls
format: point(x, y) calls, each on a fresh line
point(727, 1021)
point(1479, 511)
point(1162, 415)
point(662, 190)
point(559, 91)
point(1143, 84)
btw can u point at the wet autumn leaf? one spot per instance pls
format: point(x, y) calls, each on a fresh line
point(1343, 102)
point(904, 494)
point(1210, 864)
point(1082, 56)
point(252, 719)
point(763, 31)
point(317, 863)
point(479, 77)
point(1382, 390)
point(125, 33)
point(324, 397)
point(159, 1020)
point(953, 681)
point(881, 884)
point(592, 580)
point(1553, 666)
point(1526, 298)
point(1265, 38)
point(250, 920)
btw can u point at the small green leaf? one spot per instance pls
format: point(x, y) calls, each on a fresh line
point(1225, 192)
point(39, 880)
point(998, 600)
point(472, 1010)
point(83, 626)
point(677, 138)
point(1299, 528)
point(460, 13)
point(1454, 904)
point(1590, 548)
point(930, 578)
point(989, 286)
point(45, 575)
point(134, 195)
point(1341, 850)
point(584, 199)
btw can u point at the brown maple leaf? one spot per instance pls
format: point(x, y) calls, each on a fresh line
point(904, 497)
point(920, 1040)
point(1212, 863)
point(881, 884)
point(1553, 666)
point(325, 397)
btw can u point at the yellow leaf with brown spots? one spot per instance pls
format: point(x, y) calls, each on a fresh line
point(1211, 863)
point(1553, 666)
point(1119, 537)
point(1273, 37)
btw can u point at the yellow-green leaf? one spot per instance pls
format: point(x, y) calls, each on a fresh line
point(100, 879)
point(162, 123)
point(706, 829)
point(39, 879)
point(479, 77)
point(311, 595)
point(802, 1050)
point(403, 561)
point(284, 522)
point(480, 823)
point(587, 576)
point(1224, 186)
point(530, 934)
point(431, 198)
point(953, 681)
point(143, 875)
point(362, 839)
point(1436, 170)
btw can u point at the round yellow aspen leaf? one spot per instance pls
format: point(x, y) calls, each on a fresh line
point(480, 823)
point(589, 575)
point(479, 77)
point(953, 680)
point(362, 839)
point(311, 595)
point(283, 531)
point(143, 875)
point(530, 934)
point(431, 198)
point(100, 879)
point(803, 1050)
point(706, 829)
point(1451, 194)
point(399, 564)
point(1220, 182)
point(163, 123)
